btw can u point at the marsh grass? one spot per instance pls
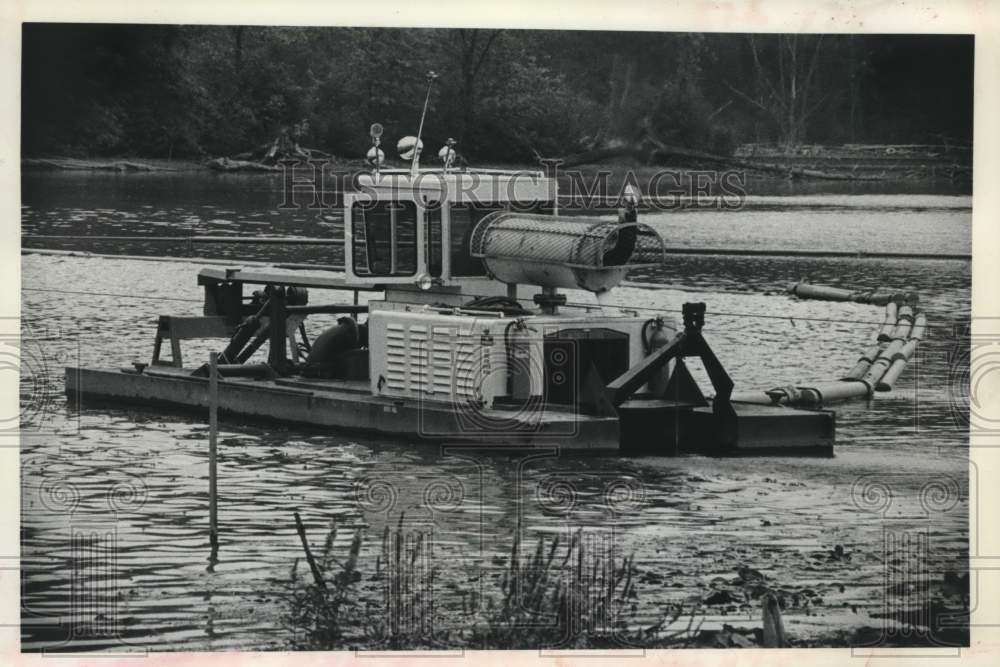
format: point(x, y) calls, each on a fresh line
point(324, 609)
point(569, 597)
point(575, 593)
point(406, 617)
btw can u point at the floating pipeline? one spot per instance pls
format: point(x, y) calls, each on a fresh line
point(895, 327)
point(882, 363)
point(821, 393)
point(903, 324)
point(903, 356)
point(919, 327)
point(813, 396)
point(899, 361)
point(864, 362)
point(889, 323)
point(876, 370)
point(872, 297)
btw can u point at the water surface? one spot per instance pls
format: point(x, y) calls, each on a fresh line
point(136, 479)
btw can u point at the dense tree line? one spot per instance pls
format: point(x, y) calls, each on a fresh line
point(186, 91)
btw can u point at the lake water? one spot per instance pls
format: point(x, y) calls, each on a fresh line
point(114, 499)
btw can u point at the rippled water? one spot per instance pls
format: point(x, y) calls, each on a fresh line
point(114, 499)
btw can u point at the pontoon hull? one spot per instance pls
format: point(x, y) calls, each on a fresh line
point(350, 406)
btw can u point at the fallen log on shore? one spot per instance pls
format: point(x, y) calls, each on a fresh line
point(73, 164)
point(227, 165)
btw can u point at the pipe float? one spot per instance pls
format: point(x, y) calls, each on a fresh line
point(839, 390)
point(882, 363)
point(902, 329)
point(885, 298)
point(878, 298)
point(825, 293)
point(919, 327)
point(903, 355)
point(864, 362)
point(879, 366)
point(876, 370)
point(821, 292)
point(891, 317)
point(898, 364)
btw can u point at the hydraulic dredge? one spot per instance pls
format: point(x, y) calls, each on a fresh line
point(468, 334)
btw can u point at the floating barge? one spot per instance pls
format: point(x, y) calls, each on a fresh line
point(472, 341)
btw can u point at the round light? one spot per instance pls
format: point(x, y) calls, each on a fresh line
point(425, 282)
point(375, 131)
point(375, 156)
point(407, 145)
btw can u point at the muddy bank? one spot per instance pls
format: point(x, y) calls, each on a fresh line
point(877, 164)
point(147, 165)
point(123, 165)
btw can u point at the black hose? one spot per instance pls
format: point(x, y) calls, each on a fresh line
point(623, 248)
point(505, 304)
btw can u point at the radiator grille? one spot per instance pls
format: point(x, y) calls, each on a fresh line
point(441, 362)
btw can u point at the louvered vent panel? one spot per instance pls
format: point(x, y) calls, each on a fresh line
point(439, 362)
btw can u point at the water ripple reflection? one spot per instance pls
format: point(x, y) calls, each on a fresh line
point(114, 499)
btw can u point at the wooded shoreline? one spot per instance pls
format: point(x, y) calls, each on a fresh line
point(862, 162)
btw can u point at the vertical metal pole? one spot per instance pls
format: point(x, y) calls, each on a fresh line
point(277, 356)
point(393, 221)
point(415, 164)
point(213, 436)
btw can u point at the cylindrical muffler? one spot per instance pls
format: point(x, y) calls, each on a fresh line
point(573, 253)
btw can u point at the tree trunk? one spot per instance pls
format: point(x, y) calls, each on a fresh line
point(621, 80)
point(238, 47)
point(472, 57)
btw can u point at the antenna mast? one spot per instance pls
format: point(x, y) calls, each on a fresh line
point(415, 165)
